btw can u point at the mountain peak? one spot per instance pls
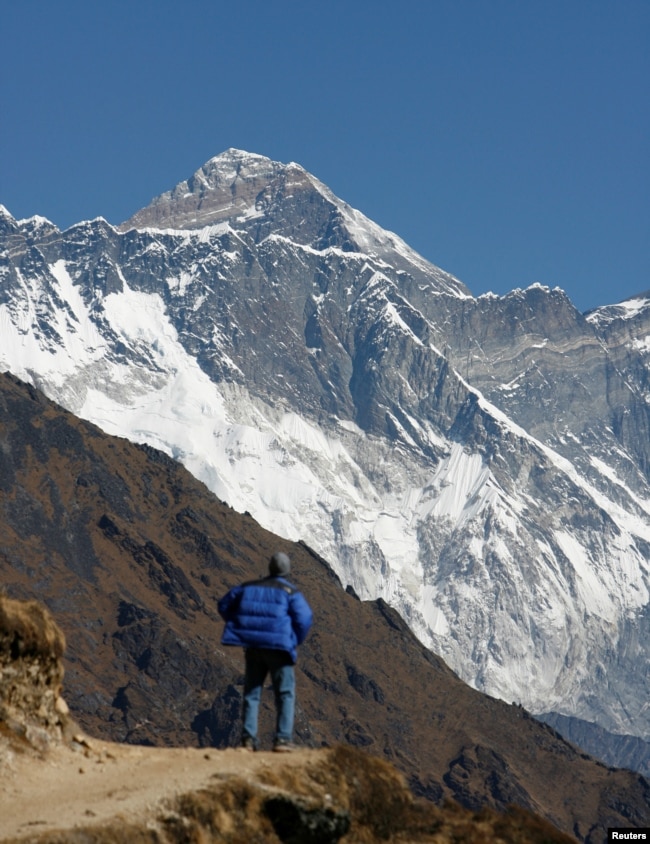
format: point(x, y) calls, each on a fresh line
point(241, 158)
point(234, 185)
point(624, 311)
point(267, 198)
point(36, 224)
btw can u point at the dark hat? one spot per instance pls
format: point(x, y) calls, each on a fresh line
point(280, 563)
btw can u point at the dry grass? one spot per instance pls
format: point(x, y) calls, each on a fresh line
point(232, 812)
point(28, 630)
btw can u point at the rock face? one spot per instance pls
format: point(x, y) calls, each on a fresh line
point(31, 673)
point(481, 465)
point(131, 554)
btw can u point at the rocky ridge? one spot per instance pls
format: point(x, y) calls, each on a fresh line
point(31, 674)
point(615, 750)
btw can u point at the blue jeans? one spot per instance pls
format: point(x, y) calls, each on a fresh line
point(259, 663)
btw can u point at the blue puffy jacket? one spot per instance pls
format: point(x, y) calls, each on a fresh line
point(267, 613)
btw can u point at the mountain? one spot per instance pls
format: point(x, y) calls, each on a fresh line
point(617, 751)
point(482, 465)
point(130, 553)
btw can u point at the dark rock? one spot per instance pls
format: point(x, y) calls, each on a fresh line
point(295, 823)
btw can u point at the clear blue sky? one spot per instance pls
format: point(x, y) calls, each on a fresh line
point(506, 140)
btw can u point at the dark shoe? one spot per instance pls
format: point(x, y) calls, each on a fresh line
point(247, 743)
point(283, 746)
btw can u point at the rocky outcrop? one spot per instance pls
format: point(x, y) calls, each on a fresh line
point(31, 674)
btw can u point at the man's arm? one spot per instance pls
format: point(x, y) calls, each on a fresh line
point(229, 603)
point(301, 616)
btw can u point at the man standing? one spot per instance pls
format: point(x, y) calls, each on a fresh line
point(269, 618)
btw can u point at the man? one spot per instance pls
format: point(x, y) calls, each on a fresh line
point(269, 618)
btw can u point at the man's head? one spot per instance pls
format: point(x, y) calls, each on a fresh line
point(280, 564)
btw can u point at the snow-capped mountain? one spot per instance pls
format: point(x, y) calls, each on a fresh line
point(482, 464)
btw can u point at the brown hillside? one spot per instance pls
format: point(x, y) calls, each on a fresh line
point(60, 786)
point(131, 553)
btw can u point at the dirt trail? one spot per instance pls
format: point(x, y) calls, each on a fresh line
point(101, 781)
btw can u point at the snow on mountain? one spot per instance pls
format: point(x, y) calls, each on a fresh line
point(246, 188)
point(481, 464)
point(628, 309)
